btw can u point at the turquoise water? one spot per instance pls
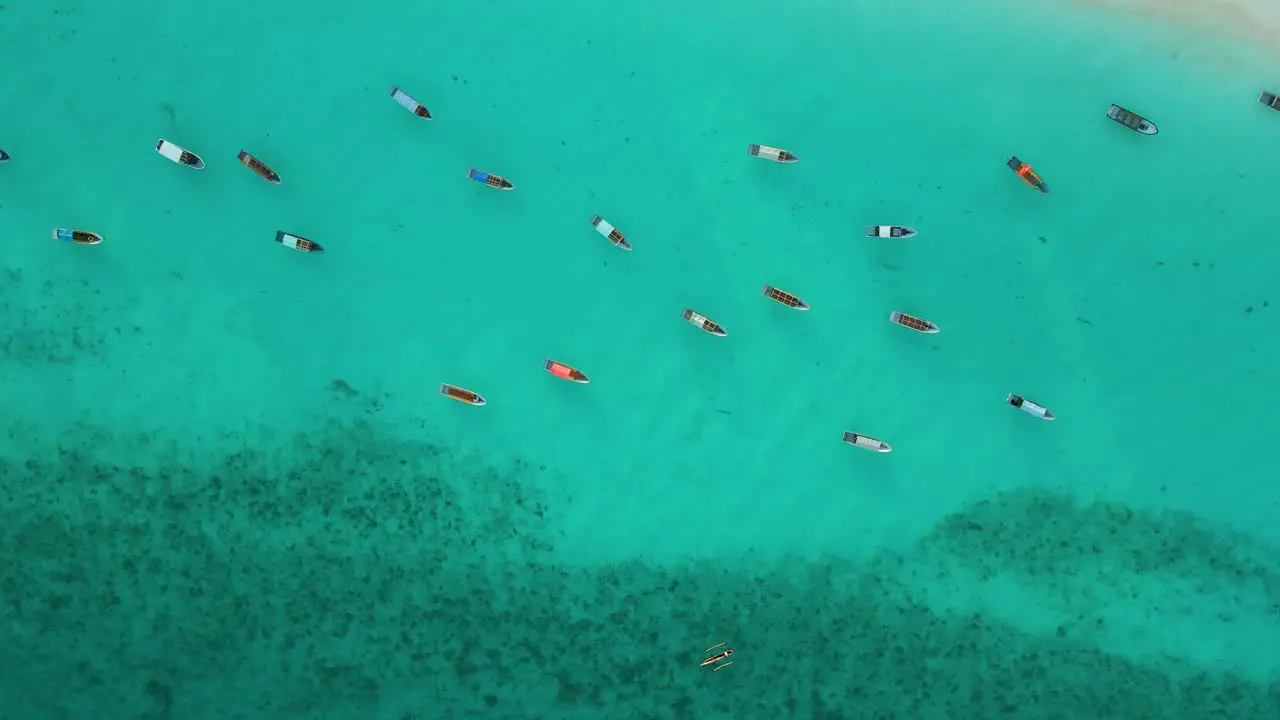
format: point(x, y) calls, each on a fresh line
point(230, 490)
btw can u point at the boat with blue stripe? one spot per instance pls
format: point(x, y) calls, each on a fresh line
point(493, 181)
point(79, 237)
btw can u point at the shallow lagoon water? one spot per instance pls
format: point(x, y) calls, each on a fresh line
point(230, 490)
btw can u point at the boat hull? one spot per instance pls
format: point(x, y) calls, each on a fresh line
point(79, 237)
point(565, 372)
point(297, 242)
point(1132, 120)
point(177, 153)
point(866, 442)
point(462, 395)
point(259, 168)
point(1270, 100)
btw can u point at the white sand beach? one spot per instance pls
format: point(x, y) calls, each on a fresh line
point(1255, 21)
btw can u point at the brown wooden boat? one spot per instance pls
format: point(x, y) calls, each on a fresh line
point(460, 394)
point(785, 298)
point(913, 322)
point(705, 323)
point(259, 167)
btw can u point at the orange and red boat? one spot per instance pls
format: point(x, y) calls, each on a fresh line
point(1029, 176)
point(564, 372)
point(462, 395)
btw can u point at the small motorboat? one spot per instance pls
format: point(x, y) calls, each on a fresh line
point(461, 395)
point(772, 153)
point(80, 237)
point(409, 103)
point(705, 323)
point(300, 244)
point(564, 372)
point(866, 443)
point(890, 231)
point(603, 227)
point(259, 167)
point(1132, 120)
point(913, 322)
point(493, 181)
point(785, 298)
point(1271, 101)
point(179, 155)
point(4, 156)
point(1028, 175)
point(1028, 407)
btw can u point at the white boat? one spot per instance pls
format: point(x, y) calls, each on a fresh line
point(1132, 120)
point(866, 442)
point(179, 154)
point(409, 103)
point(772, 153)
point(913, 322)
point(611, 233)
point(704, 322)
point(1028, 407)
point(890, 231)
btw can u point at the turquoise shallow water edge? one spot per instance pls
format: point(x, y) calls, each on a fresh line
point(229, 490)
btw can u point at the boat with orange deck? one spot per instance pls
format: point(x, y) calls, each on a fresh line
point(785, 298)
point(79, 237)
point(866, 442)
point(493, 181)
point(256, 165)
point(1029, 176)
point(913, 322)
point(610, 232)
point(460, 394)
point(564, 372)
point(705, 323)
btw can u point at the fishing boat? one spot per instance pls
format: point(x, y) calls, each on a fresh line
point(1028, 407)
point(913, 322)
point(610, 232)
point(80, 237)
point(300, 244)
point(705, 323)
point(890, 231)
point(1029, 176)
point(564, 372)
point(785, 298)
point(460, 394)
point(256, 165)
point(1271, 101)
point(409, 103)
point(1132, 120)
point(765, 152)
point(4, 156)
point(866, 442)
point(179, 154)
point(493, 181)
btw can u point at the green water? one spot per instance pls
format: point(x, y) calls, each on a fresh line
point(229, 488)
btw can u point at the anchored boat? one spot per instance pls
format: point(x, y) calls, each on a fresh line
point(1028, 407)
point(493, 181)
point(460, 394)
point(179, 154)
point(256, 165)
point(765, 152)
point(300, 244)
point(785, 298)
point(409, 103)
point(610, 232)
point(913, 322)
point(80, 237)
point(564, 372)
point(890, 231)
point(4, 156)
point(1132, 120)
point(1029, 176)
point(1269, 100)
point(866, 442)
point(705, 323)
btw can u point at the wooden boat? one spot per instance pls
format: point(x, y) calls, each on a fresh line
point(1029, 176)
point(80, 237)
point(1030, 408)
point(1132, 120)
point(179, 155)
point(785, 298)
point(4, 156)
point(460, 394)
point(300, 244)
point(493, 181)
point(765, 152)
point(1271, 101)
point(564, 372)
point(866, 442)
point(409, 103)
point(913, 322)
point(705, 323)
point(610, 232)
point(890, 231)
point(256, 165)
